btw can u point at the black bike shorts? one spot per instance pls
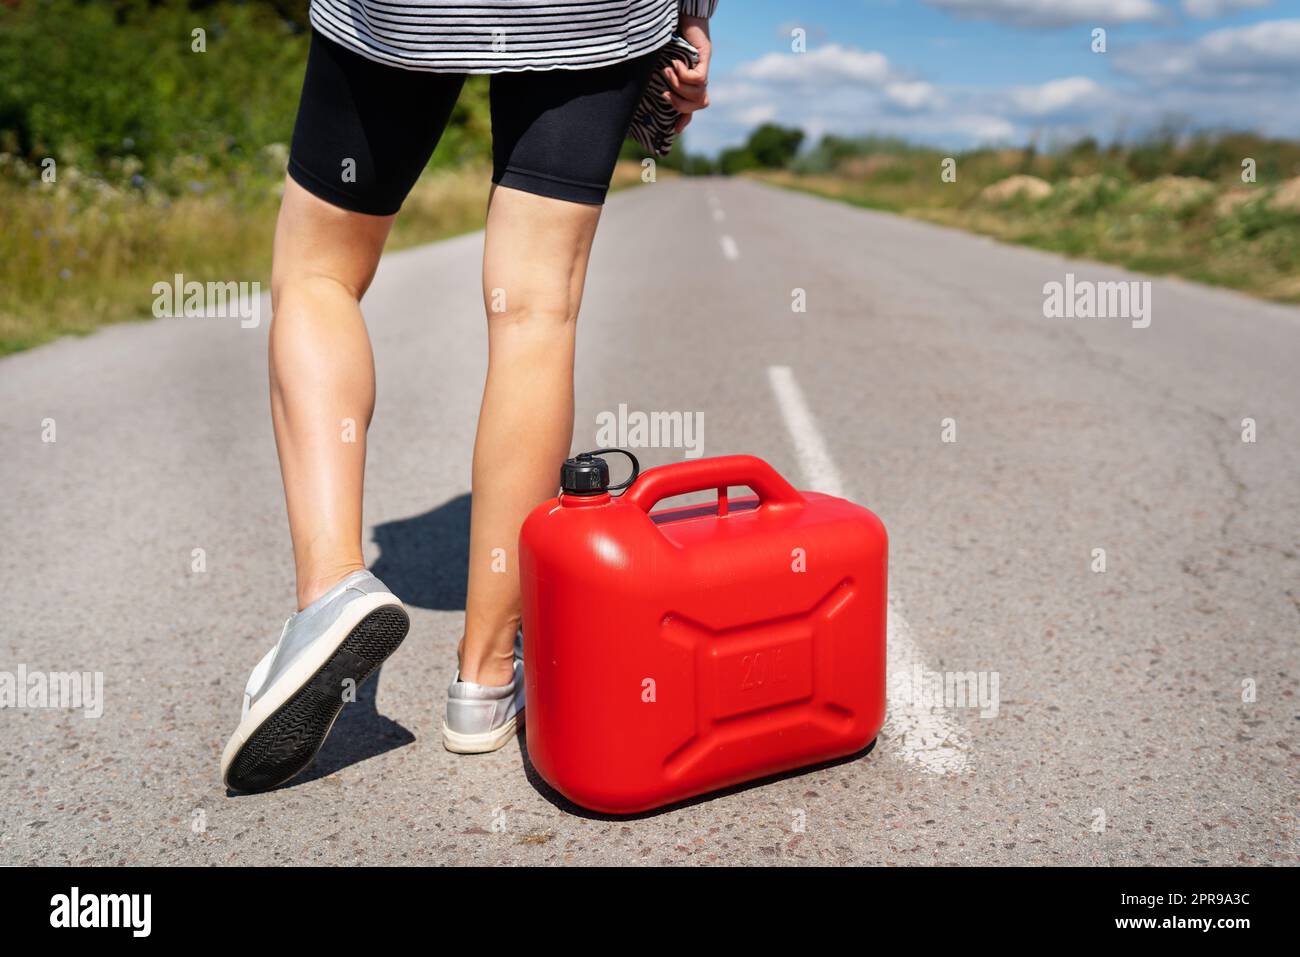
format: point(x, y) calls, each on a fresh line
point(365, 130)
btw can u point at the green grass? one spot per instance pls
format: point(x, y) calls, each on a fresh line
point(166, 159)
point(1137, 207)
point(81, 253)
point(74, 257)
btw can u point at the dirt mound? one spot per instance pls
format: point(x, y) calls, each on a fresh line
point(1287, 196)
point(1175, 192)
point(1233, 200)
point(865, 167)
point(1016, 187)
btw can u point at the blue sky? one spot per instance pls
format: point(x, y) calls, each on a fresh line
point(959, 73)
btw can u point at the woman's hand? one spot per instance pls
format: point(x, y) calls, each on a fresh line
point(688, 88)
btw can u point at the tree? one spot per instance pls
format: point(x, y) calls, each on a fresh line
point(774, 146)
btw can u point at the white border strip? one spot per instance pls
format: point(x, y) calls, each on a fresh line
point(922, 736)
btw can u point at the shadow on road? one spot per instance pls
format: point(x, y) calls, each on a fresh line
point(360, 733)
point(425, 559)
point(562, 803)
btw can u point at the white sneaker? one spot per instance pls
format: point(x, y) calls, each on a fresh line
point(295, 693)
point(481, 718)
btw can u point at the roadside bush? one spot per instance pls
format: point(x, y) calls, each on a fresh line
point(90, 83)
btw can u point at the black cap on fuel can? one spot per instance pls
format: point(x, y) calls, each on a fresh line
point(588, 474)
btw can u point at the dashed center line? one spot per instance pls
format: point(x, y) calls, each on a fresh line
point(729, 248)
point(922, 736)
point(718, 214)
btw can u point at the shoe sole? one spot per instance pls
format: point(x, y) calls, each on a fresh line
point(484, 741)
point(282, 744)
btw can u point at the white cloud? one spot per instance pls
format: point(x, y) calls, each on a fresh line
point(757, 114)
point(1054, 13)
point(1054, 97)
point(849, 91)
point(985, 129)
point(728, 92)
point(1273, 46)
point(1209, 9)
point(829, 64)
point(1256, 57)
point(913, 95)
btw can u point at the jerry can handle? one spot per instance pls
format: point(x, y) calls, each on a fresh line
point(696, 476)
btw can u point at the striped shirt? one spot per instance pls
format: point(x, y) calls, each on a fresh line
point(497, 36)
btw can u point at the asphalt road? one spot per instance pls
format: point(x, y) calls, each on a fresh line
point(1121, 734)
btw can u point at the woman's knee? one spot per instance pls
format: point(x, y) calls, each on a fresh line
point(316, 243)
point(292, 286)
point(531, 307)
point(535, 258)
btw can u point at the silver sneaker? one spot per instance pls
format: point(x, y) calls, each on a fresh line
point(325, 652)
point(481, 718)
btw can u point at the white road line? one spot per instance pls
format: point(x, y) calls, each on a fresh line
point(818, 469)
point(729, 248)
point(718, 214)
point(922, 736)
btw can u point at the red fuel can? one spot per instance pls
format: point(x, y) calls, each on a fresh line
point(673, 652)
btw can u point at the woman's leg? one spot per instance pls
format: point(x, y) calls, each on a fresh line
point(534, 266)
point(555, 139)
point(322, 379)
point(364, 133)
point(322, 393)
